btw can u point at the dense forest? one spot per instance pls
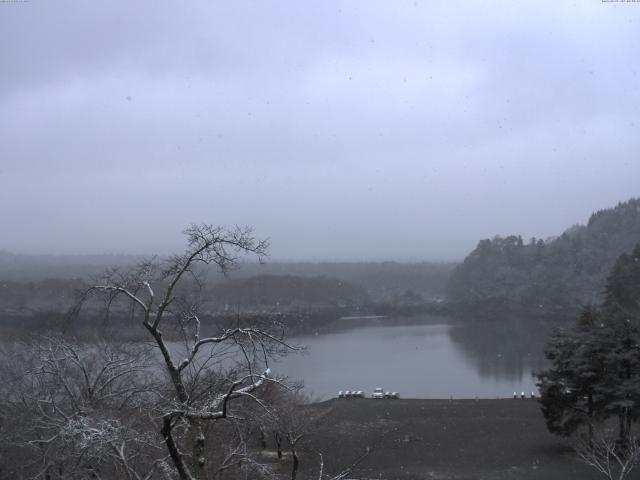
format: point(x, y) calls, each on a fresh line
point(553, 277)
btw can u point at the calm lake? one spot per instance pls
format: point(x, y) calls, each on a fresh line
point(418, 361)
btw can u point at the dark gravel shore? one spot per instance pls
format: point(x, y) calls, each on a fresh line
point(440, 439)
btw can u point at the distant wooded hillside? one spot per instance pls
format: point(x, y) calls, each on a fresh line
point(382, 281)
point(558, 276)
point(34, 268)
point(38, 285)
point(285, 292)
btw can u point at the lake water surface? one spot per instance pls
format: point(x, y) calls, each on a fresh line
point(418, 361)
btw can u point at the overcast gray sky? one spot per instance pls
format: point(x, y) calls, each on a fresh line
point(340, 129)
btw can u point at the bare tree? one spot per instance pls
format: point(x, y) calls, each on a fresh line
point(606, 454)
point(206, 373)
point(107, 409)
point(289, 422)
point(347, 472)
point(71, 410)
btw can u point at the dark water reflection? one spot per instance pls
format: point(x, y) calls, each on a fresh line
point(420, 360)
point(501, 350)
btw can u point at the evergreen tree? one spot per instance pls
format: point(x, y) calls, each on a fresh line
point(622, 305)
point(620, 387)
point(595, 367)
point(568, 389)
point(623, 284)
